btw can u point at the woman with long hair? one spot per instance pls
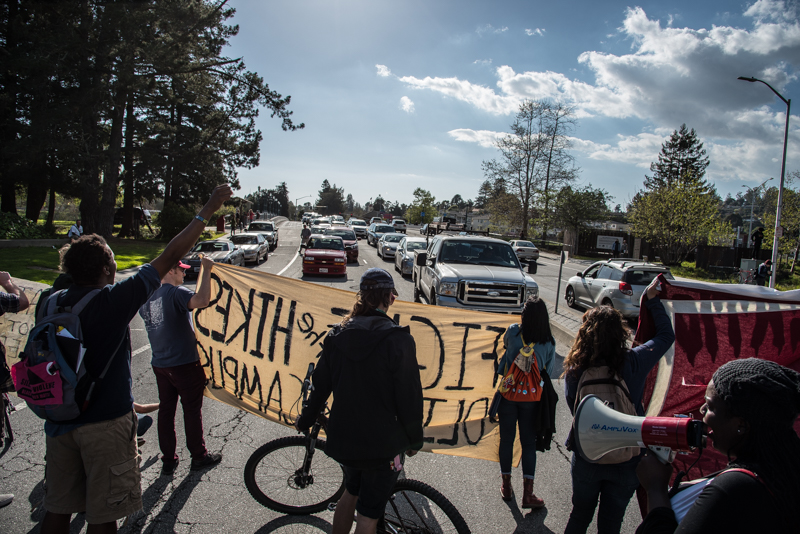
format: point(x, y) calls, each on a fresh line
point(603, 340)
point(750, 409)
point(531, 338)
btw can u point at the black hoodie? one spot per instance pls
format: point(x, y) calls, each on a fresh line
point(370, 366)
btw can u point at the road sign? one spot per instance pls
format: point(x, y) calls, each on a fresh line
point(422, 214)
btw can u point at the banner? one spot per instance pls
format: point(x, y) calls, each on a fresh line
point(261, 331)
point(714, 324)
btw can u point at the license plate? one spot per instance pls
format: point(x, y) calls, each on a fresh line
point(323, 269)
point(197, 269)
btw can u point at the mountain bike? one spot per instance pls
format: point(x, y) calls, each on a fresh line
point(743, 276)
point(288, 476)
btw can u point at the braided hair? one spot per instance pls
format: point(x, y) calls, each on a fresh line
point(602, 340)
point(767, 396)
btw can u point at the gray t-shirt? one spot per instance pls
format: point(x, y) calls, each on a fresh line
point(169, 326)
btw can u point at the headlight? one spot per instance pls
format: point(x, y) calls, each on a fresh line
point(448, 288)
point(338, 260)
point(386, 248)
point(531, 292)
point(308, 259)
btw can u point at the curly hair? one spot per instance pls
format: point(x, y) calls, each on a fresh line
point(535, 322)
point(602, 340)
point(85, 258)
point(366, 301)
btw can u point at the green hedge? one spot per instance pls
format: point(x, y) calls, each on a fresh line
point(12, 226)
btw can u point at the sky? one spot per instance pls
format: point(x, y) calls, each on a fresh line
point(402, 94)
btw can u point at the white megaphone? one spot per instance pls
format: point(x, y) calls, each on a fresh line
point(599, 429)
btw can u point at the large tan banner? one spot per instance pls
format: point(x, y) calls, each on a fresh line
point(261, 331)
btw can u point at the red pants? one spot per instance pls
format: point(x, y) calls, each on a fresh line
point(187, 382)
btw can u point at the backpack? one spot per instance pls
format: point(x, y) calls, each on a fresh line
point(612, 390)
point(51, 375)
point(522, 382)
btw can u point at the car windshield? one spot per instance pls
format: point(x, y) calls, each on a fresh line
point(400, 221)
point(264, 226)
point(497, 254)
point(416, 245)
point(348, 235)
point(393, 238)
point(327, 243)
point(640, 277)
point(525, 244)
point(383, 229)
point(245, 239)
point(358, 223)
point(210, 246)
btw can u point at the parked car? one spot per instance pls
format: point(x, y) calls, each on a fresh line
point(325, 255)
point(399, 225)
point(267, 229)
point(617, 283)
point(348, 237)
point(219, 250)
point(387, 245)
point(376, 230)
point(358, 226)
point(253, 245)
point(526, 251)
point(404, 256)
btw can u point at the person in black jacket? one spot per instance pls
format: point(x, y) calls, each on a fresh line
point(369, 363)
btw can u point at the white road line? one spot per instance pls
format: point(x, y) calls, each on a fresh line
point(20, 406)
point(289, 265)
point(140, 350)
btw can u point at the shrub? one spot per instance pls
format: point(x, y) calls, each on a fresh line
point(12, 226)
point(174, 218)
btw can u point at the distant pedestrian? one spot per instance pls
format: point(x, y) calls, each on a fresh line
point(250, 216)
point(763, 272)
point(75, 231)
point(615, 249)
point(176, 363)
point(305, 233)
point(757, 237)
point(624, 248)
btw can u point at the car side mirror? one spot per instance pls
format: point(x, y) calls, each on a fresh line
point(580, 274)
point(532, 267)
point(422, 258)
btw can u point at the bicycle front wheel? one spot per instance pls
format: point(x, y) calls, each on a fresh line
point(274, 477)
point(417, 508)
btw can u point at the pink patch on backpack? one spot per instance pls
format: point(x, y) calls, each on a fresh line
point(40, 384)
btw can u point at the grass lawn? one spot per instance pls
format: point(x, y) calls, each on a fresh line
point(687, 269)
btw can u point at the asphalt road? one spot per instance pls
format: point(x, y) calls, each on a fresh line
point(217, 501)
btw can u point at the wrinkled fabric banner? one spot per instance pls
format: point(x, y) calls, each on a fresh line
point(261, 331)
point(714, 324)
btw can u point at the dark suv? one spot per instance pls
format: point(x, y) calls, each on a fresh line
point(618, 283)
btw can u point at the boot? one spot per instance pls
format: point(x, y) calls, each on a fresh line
point(529, 500)
point(506, 491)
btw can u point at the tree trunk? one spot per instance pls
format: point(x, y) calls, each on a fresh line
point(8, 112)
point(51, 212)
point(111, 176)
point(128, 175)
point(37, 192)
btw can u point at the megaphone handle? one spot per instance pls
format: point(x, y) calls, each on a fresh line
point(664, 454)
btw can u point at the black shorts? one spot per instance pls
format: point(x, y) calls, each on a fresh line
point(373, 487)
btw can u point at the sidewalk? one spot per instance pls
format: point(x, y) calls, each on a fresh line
point(564, 325)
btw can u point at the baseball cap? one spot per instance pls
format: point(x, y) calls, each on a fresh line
point(183, 265)
point(377, 278)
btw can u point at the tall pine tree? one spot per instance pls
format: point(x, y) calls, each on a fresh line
point(682, 156)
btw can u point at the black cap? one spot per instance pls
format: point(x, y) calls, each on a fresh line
point(377, 278)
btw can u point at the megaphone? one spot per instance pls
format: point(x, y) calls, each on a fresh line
point(599, 429)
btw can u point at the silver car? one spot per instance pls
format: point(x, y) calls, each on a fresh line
point(526, 251)
point(404, 256)
point(253, 245)
point(616, 283)
point(358, 226)
point(387, 245)
point(266, 229)
point(218, 250)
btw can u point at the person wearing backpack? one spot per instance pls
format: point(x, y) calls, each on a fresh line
point(530, 348)
point(602, 342)
point(92, 461)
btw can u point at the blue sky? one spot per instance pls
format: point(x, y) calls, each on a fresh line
point(397, 94)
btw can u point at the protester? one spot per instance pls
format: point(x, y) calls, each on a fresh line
point(305, 233)
point(92, 464)
point(75, 231)
point(763, 272)
point(530, 339)
point(624, 248)
point(615, 248)
point(750, 409)
point(176, 363)
point(12, 300)
point(369, 363)
point(757, 237)
point(602, 340)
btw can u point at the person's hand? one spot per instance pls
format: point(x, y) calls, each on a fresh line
point(206, 263)
point(5, 279)
point(652, 290)
point(411, 452)
point(220, 194)
point(653, 474)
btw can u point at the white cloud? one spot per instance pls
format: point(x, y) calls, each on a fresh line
point(537, 31)
point(383, 71)
point(482, 62)
point(489, 29)
point(406, 105)
point(481, 97)
point(484, 138)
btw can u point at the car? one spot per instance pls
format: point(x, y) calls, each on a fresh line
point(219, 250)
point(526, 251)
point(376, 220)
point(253, 245)
point(423, 229)
point(325, 254)
point(337, 218)
point(404, 256)
point(316, 229)
point(376, 230)
point(387, 245)
point(358, 226)
point(618, 283)
point(319, 221)
point(266, 229)
point(399, 225)
point(348, 237)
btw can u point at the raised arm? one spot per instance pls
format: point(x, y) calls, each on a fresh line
point(203, 295)
point(181, 243)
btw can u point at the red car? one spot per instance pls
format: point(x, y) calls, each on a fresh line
point(325, 255)
point(349, 238)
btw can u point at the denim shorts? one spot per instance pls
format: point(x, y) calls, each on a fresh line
point(373, 487)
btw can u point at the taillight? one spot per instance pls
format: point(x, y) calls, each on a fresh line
point(625, 288)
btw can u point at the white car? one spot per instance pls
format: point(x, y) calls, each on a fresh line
point(399, 225)
point(387, 245)
point(358, 226)
point(525, 250)
point(404, 256)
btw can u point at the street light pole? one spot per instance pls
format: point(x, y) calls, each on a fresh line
point(780, 188)
point(752, 202)
point(296, 201)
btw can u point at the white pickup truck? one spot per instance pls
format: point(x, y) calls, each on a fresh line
point(472, 272)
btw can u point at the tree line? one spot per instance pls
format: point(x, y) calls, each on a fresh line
point(102, 98)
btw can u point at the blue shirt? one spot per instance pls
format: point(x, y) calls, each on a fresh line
point(545, 352)
point(169, 326)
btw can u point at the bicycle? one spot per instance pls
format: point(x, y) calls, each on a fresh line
point(742, 276)
point(287, 476)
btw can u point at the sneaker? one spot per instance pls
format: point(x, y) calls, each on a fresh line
point(169, 468)
point(211, 458)
point(140, 441)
